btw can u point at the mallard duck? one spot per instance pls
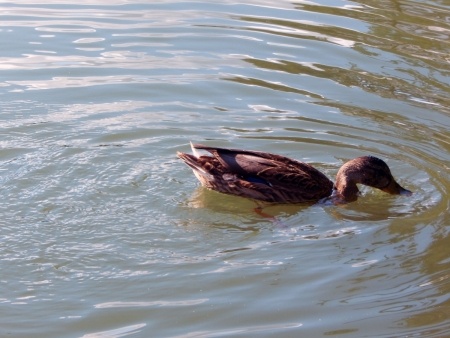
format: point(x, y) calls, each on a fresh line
point(275, 178)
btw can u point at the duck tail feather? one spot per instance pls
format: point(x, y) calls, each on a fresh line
point(192, 161)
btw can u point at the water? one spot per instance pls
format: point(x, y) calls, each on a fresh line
point(105, 233)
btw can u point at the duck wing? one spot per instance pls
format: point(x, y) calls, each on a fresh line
point(293, 180)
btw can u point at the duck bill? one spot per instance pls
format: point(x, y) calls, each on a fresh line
point(396, 189)
point(405, 192)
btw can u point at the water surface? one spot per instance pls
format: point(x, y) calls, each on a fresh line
point(106, 233)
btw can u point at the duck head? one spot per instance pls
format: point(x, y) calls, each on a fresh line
point(367, 170)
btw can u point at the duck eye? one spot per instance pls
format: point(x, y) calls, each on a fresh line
point(383, 183)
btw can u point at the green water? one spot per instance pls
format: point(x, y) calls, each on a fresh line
point(105, 233)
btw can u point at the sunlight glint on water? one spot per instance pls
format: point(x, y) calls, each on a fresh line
point(106, 233)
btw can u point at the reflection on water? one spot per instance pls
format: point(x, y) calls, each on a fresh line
point(106, 233)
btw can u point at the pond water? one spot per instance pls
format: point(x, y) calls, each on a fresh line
point(105, 233)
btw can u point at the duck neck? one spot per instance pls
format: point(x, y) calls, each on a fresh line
point(346, 179)
point(346, 190)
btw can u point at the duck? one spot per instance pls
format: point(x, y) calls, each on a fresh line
point(273, 178)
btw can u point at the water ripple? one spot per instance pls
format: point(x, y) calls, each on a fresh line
point(102, 222)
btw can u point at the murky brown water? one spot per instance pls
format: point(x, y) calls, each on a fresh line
point(105, 233)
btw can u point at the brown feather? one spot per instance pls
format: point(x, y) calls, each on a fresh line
point(275, 178)
point(258, 175)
